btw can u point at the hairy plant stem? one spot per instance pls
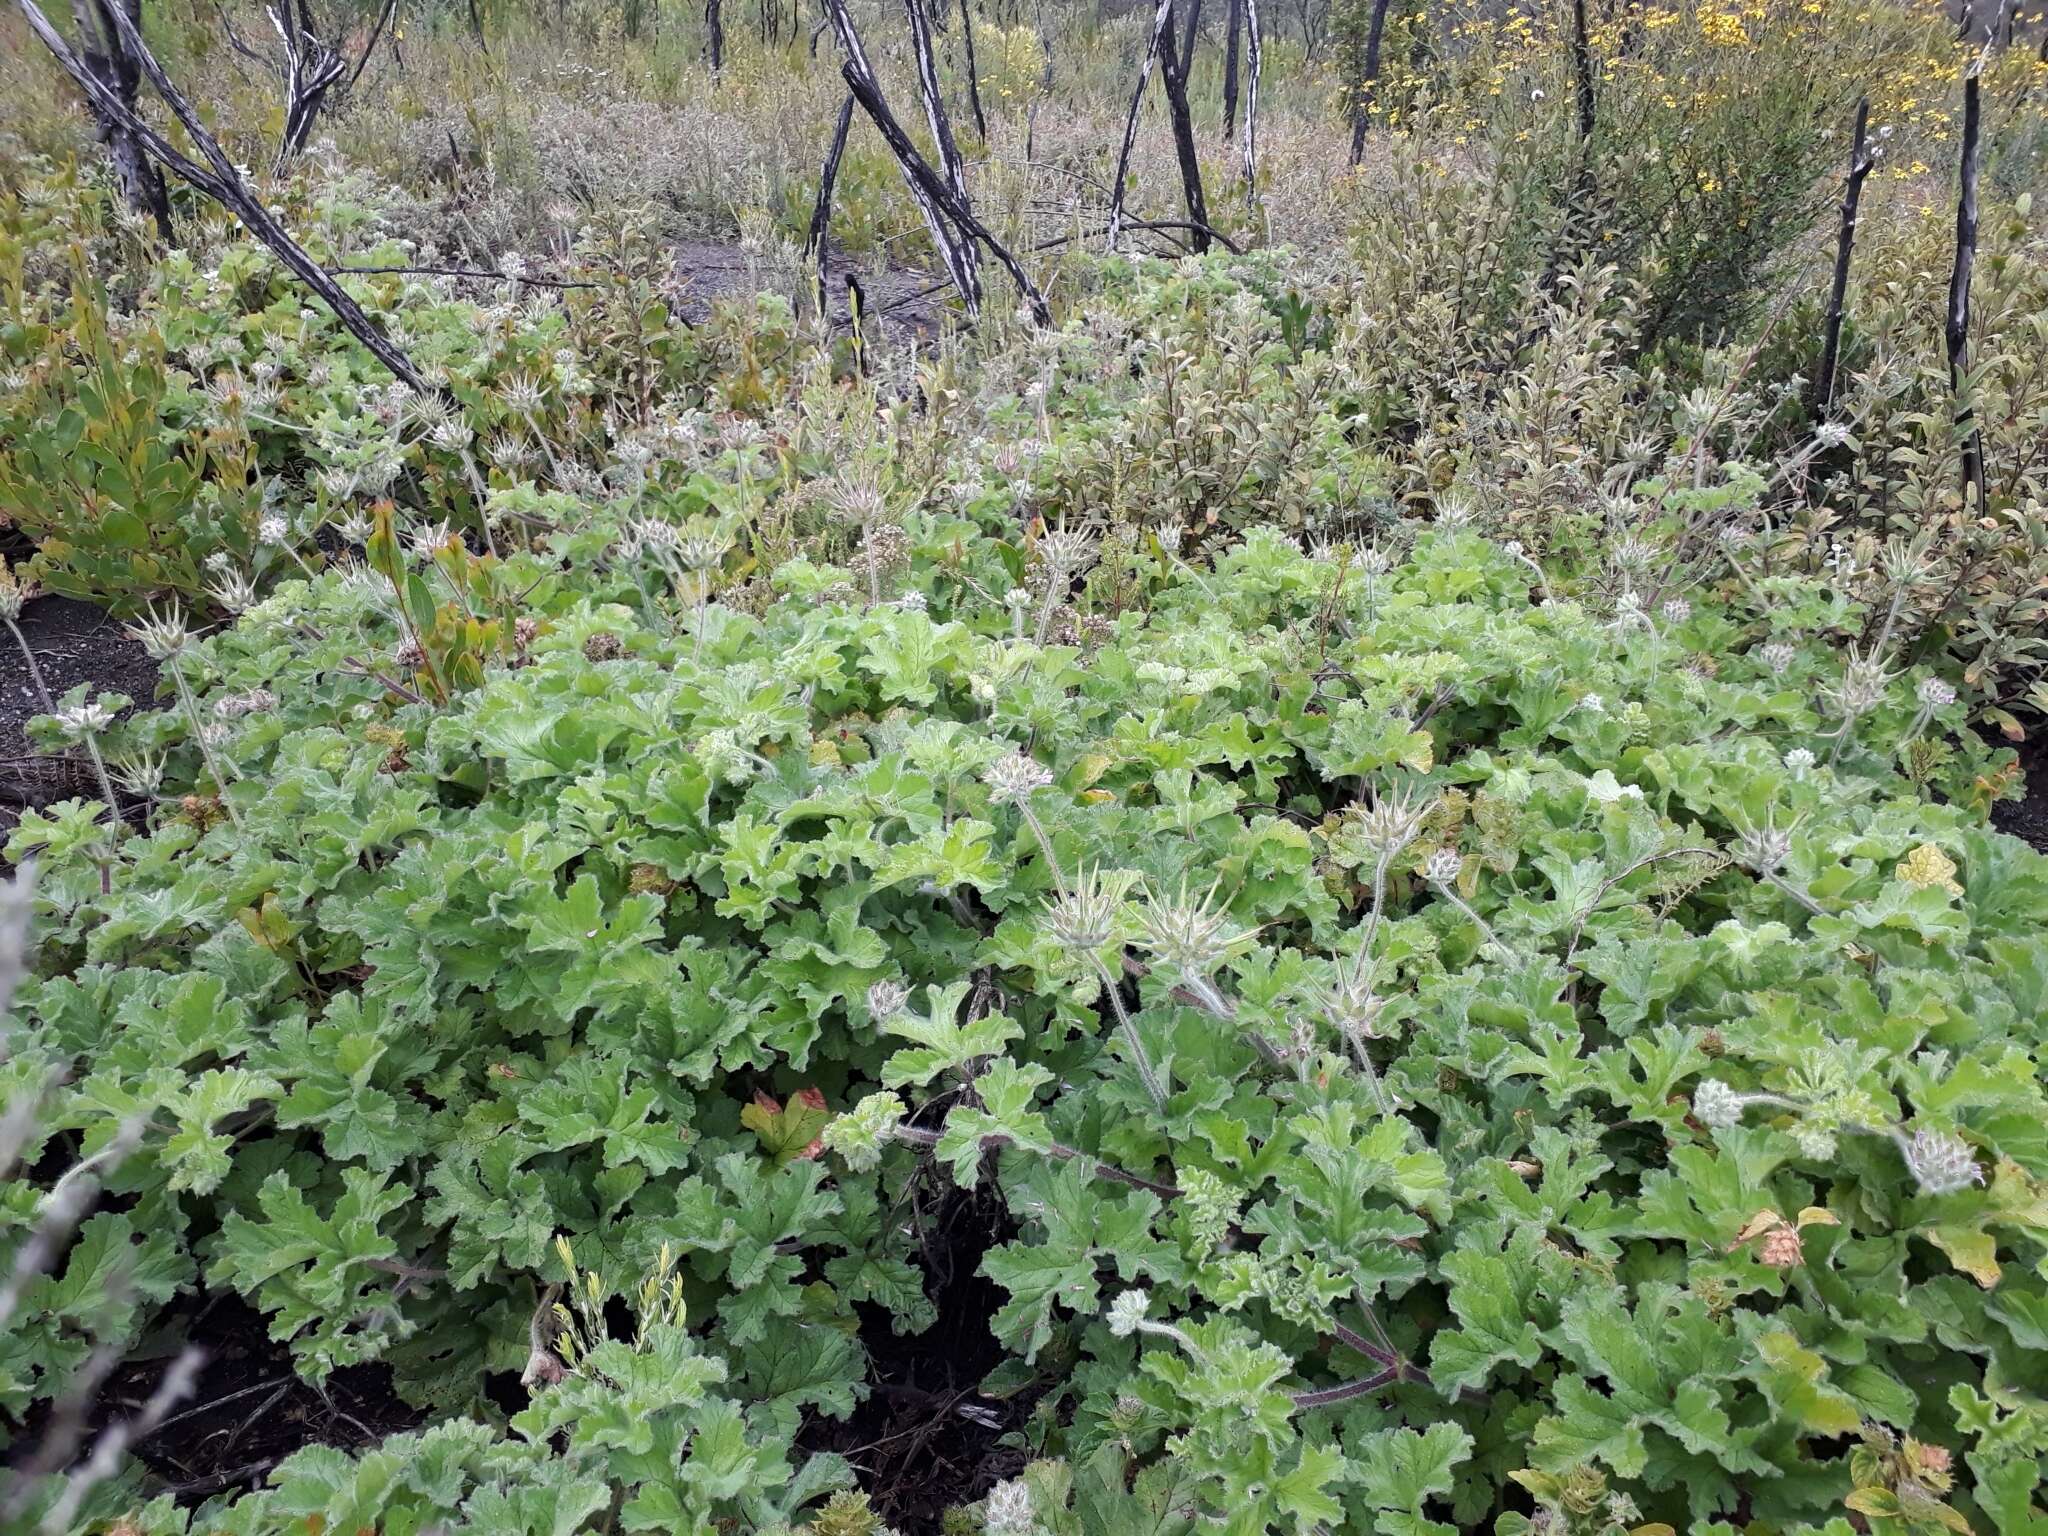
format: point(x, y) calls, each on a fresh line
point(206, 752)
point(35, 669)
point(1142, 1062)
point(1795, 893)
point(917, 1136)
point(1493, 940)
point(1842, 737)
point(1052, 862)
point(99, 767)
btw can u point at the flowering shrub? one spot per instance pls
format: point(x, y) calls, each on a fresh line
point(1459, 1043)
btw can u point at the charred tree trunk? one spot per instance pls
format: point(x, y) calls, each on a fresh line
point(1233, 28)
point(714, 34)
point(476, 28)
point(927, 185)
point(821, 214)
point(935, 198)
point(223, 183)
point(1582, 71)
point(973, 72)
point(1173, 73)
point(1162, 23)
point(1860, 163)
point(1368, 80)
point(1959, 300)
point(1253, 55)
point(109, 60)
point(942, 129)
point(308, 67)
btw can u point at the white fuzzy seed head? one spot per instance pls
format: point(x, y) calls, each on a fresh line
point(1716, 1105)
point(1016, 778)
point(1009, 1510)
point(1443, 866)
point(1127, 1312)
point(1934, 693)
point(1941, 1164)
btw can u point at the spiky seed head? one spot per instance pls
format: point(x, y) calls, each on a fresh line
point(887, 998)
point(1934, 693)
point(701, 551)
point(234, 590)
point(1190, 936)
point(1085, 918)
point(161, 635)
point(1350, 1004)
point(429, 539)
point(1443, 866)
point(1170, 536)
point(1391, 821)
point(1066, 552)
point(1863, 684)
point(1676, 611)
point(1009, 1510)
point(1777, 656)
point(142, 774)
point(1764, 849)
point(1015, 778)
point(273, 530)
point(1127, 1312)
point(85, 719)
point(1716, 1105)
point(1800, 760)
point(1513, 549)
point(1941, 1164)
point(522, 395)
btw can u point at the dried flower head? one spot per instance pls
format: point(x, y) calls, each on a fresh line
point(887, 999)
point(16, 591)
point(1934, 693)
point(89, 718)
point(1014, 779)
point(1941, 1164)
point(1443, 865)
point(1009, 1510)
point(1782, 1248)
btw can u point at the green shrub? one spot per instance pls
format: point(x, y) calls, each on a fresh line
point(1450, 1060)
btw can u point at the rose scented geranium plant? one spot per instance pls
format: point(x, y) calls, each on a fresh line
point(1443, 1054)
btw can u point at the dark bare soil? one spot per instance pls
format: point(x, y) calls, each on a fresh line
point(2027, 819)
point(926, 1438)
point(901, 300)
point(249, 1411)
point(74, 643)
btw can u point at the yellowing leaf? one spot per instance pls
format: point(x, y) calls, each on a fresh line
point(1971, 1250)
point(1927, 865)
